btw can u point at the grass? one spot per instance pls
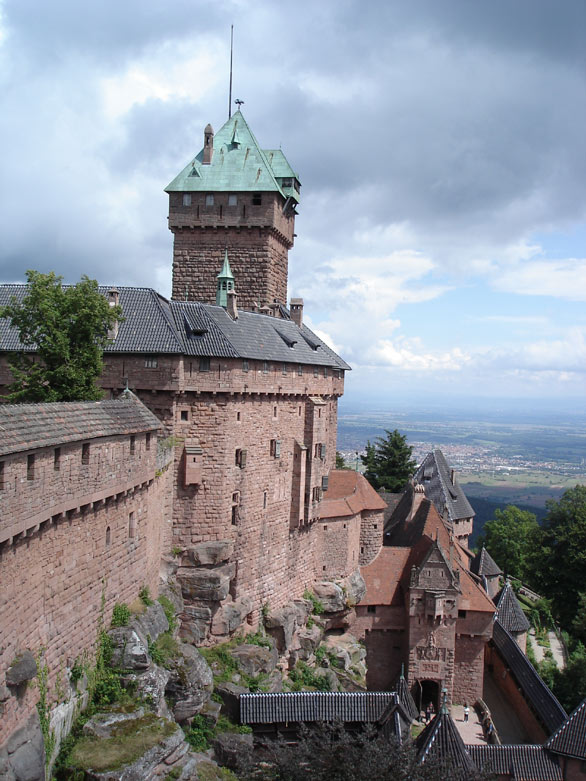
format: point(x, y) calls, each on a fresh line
point(128, 742)
point(208, 772)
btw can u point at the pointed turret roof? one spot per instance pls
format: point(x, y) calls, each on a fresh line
point(484, 565)
point(226, 272)
point(436, 477)
point(570, 738)
point(237, 164)
point(441, 740)
point(405, 697)
point(509, 611)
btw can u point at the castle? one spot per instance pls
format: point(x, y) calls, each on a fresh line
point(213, 460)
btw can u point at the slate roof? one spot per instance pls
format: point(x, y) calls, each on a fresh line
point(282, 707)
point(349, 493)
point(441, 740)
point(395, 721)
point(154, 325)
point(509, 611)
point(543, 701)
point(31, 426)
point(484, 565)
point(523, 762)
point(238, 164)
point(434, 475)
point(570, 738)
point(406, 698)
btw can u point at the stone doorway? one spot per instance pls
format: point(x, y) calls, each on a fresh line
point(427, 691)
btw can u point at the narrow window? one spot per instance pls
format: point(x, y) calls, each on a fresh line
point(284, 368)
point(300, 370)
point(325, 371)
point(361, 551)
point(187, 199)
point(147, 442)
point(150, 363)
point(30, 467)
point(256, 199)
point(1, 475)
point(315, 371)
point(274, 412)
point(235, 507)
point(325, 527)
point(132, 444)
point(184, 415)
point(264, 500)
point(245, 365)
point(131, 526)
point(238, 416)
point(204, 364)
point(240, 458)
point(57, 459)
point(210, 199)
point(85, 454)
point(108, 537)
point(265, 367)
point(232, 200)
point(299, 410)
point(324, 483)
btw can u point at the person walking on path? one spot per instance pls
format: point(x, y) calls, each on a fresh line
point(466, 712)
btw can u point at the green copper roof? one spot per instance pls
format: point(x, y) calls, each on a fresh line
point(238, 164)
point(226, 272)
point(225, 282)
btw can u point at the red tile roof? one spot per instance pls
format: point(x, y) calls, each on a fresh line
point(349, 493)
point(383, 575)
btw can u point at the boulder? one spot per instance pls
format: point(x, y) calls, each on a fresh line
point(211, 711)
point(210, 585)
point(151, 685)
point(130, 650)
point(230, 694)
point(145, 765)
point(355, 588)
point(229, 748)
point(330, 595)
point(195, 624)
point(214, 552)
point(152, 623)
point(255, 659)
point(23, 756)
point(22, 669)
point(190, 683)
point(281, 625)
point(303, 608)
point(274, 682)
point(101, 725)
point(172, 591)
point(309, 639)
point(230, 616)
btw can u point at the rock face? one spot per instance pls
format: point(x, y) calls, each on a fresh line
point(23, 669)
point(210, 585)
point(255, 659)
point(22, 758)
point(209, 553)
point(230, 616)
point(355, 588)
point(229, 748)
point(190, 683)
point(281, 625)
point(152, 622)
point(130, 651)
point(331, 596)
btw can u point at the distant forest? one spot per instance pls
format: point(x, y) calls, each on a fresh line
point(485, 508)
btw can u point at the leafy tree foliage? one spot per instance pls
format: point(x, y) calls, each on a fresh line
point(510, 538)
point(64, 331)
point(340, 463)
point(328, 752)
point(559, 561)
point(388, 463)
point(569, 685)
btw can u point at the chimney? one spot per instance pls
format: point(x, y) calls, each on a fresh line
point(417, 498)
point(208, 145)
point(296, 308)
point(231, 307)
point(453, 476)
point(113, 299)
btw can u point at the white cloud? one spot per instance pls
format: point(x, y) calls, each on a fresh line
point(559, 278)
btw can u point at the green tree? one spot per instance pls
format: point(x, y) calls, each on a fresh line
point(388, 463)
point(64, 331)
point(510, 538)
point(569, 685)
point(340, 463)
point(559, 561)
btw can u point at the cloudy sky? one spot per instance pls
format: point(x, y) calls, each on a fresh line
point(440, 144)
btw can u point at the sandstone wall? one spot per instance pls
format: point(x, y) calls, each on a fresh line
point(65, 573)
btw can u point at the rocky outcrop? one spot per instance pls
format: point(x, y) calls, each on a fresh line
point(190, 683)
point(208, 553)
point(281, 625)
point(229, 748)
point(254, 659)
point(22, 758)
point(22, 669)
point(230, 616)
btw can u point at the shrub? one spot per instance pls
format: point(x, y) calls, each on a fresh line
point(145, 596)
point(120, 614)
point(317, 606)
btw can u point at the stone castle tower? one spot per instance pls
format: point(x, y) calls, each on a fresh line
point(237, 197)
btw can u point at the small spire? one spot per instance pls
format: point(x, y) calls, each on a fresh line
point(444, 701)
point(225, 283)
point(402, 670)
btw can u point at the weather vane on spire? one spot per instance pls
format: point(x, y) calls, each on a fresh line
point(239, 103)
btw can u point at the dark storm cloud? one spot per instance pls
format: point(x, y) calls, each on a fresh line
point(463, 119)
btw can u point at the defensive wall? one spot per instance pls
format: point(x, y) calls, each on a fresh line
point(85, 519)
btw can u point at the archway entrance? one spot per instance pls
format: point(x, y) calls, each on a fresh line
point(427, 692)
